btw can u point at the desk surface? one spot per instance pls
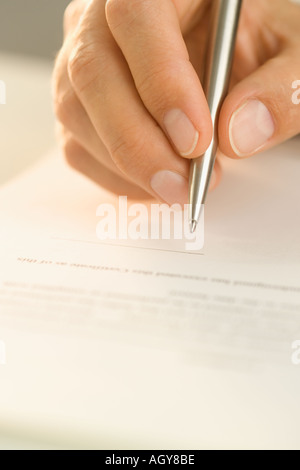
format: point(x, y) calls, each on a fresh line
point(27, 122)
point(27, 132)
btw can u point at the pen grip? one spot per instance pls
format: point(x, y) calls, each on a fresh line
point(220, 52)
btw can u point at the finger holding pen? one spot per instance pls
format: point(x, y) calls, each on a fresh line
point(131, 102)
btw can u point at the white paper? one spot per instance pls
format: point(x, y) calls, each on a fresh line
point(129, 345)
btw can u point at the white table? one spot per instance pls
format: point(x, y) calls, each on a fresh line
point(27, 132)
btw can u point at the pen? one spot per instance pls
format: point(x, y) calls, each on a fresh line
point(225, 19)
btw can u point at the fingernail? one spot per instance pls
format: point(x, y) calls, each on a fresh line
point(181, 131)
point(251, 126)
point(170, 187)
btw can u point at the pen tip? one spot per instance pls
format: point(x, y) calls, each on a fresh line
point(193, 225)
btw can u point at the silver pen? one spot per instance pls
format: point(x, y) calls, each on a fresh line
point(225, 19)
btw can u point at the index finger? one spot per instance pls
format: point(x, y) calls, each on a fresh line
point(148, 33)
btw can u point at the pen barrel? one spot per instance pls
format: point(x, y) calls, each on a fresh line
point(220, 52)
point(219, 58)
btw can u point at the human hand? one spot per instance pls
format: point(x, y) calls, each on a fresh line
point(130, 103)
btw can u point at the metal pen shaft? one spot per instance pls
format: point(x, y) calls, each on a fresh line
point(225, 18)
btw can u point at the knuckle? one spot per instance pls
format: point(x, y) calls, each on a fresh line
point(65, 101)
point(72, 14)
point(128, 155)
point(69, 16)
point(56, 78)
point(73, 152)
point(82, 68)
point(66, 108)
point(160, 85)
point(115, 11)
point(123, 12)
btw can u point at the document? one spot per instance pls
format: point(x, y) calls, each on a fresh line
point(142, 343)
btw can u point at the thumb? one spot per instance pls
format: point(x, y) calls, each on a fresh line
point(263, 110)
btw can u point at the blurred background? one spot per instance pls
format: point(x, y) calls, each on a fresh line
point(31, 27)
point(30, 36)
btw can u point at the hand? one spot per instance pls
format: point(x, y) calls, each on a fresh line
point(130, 103)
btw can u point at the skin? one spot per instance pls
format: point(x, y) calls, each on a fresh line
point(124, 64)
